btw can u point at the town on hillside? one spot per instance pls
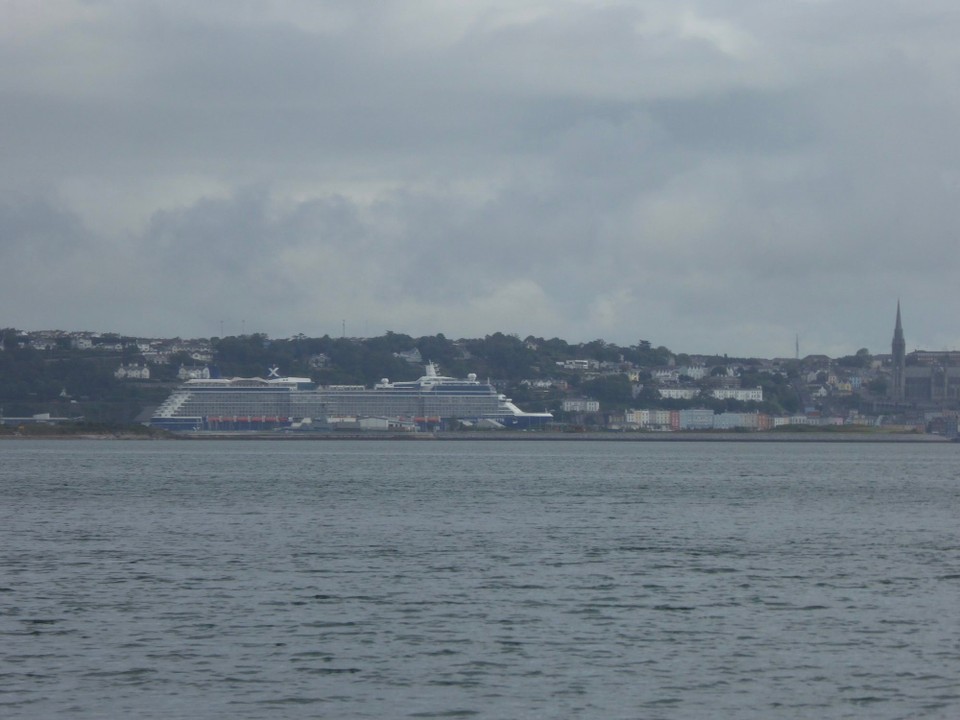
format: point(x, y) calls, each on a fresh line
point(58, 376)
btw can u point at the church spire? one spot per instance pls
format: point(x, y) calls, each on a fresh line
point(899, 360)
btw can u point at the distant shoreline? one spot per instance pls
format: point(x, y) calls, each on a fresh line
point(515, 436)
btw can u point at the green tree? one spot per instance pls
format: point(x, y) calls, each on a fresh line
point(505, 357)
point(878, 386)
point(861, 360)
point(244, 355)
point(438, 349)
point(613, 391)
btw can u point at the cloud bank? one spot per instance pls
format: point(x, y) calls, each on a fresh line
point(713, 177)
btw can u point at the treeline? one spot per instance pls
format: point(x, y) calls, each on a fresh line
point(68, 383)
point(75, 383)
point(365, 361)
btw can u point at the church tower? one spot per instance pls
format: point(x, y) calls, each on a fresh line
point(899, 353)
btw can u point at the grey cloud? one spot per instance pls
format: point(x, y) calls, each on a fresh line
point(713, 176)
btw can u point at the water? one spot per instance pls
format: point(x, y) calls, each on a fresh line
point(478, 579)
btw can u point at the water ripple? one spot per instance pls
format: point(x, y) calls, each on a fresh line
point(432, 580)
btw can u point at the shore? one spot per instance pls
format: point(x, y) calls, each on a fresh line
point(822, 436)
point(519, 436)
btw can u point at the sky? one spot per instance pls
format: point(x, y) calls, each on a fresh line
point(718, 176)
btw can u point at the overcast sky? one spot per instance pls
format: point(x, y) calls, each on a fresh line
point(716, 176)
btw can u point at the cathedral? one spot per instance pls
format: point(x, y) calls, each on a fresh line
point(924, 377)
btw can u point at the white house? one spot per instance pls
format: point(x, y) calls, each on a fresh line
point(132, 372)
point(742, 394)
point(697, 372)
point(581, 405)
point(679, 393)
point(193, 373)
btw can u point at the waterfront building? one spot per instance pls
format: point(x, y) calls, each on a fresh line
point(696, 419)
point(923, 377)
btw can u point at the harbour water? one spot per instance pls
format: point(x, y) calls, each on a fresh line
point(478, 579)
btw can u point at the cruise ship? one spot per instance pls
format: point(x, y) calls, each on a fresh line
point(273, 403)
